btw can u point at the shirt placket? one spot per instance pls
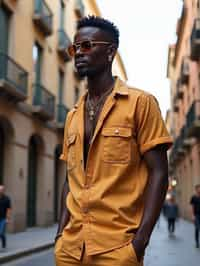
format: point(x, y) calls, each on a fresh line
point(87, 187)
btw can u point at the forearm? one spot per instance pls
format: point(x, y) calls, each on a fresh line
point(64, 214)
point(154, 199)
point(192, 212)
point(8, 214)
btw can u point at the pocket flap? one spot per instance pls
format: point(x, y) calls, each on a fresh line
point(71, 139)
point(117, 132)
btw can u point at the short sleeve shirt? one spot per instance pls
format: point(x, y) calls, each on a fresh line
point(5, 204)
point(195, 202)
point(106, 199)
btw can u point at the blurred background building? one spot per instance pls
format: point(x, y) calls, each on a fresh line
point(38, 85)
point(184, 119)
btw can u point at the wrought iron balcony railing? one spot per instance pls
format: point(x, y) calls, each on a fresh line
point(63, 44)
point(195, 40)
point(43, 17)
point(62, 111)
point(13, 78)
point(179, 90)
point(185, 71)
point(44, 102)
point(193, 120)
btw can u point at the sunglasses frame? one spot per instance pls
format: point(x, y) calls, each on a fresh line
point(77, 45)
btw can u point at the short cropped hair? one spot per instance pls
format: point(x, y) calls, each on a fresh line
point(104, 24)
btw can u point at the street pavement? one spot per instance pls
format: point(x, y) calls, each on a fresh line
point(28, 242)
point(163, 250)
point(177, 250)
point(45, 258)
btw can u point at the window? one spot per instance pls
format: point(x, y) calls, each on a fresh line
point(37, 61)
point(4, 29)
point(60, 86)
point(62, 14)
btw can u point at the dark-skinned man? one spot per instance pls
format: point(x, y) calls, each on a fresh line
point(115, 145)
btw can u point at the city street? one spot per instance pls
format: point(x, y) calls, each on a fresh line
point(177, 250)
point(164, 250)
point(44, 258)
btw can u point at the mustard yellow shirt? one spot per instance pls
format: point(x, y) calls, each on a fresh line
point(106, 200)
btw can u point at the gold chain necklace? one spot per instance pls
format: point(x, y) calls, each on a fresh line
point(93, 108)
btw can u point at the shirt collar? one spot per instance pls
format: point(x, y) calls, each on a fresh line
point(120, 88)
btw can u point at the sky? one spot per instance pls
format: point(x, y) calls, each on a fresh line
point(146, 30)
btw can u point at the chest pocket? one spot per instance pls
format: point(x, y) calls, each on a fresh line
point(71, 147)
point(117, 145)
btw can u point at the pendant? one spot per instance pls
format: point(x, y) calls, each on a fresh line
point(91, 114)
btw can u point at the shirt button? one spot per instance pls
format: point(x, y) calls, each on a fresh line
point(85, 210)
point(116, 131)
point(87, 186)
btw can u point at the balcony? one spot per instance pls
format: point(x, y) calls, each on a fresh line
point(43, 17)
point(175, 103)
point(79, 8)
point(43, 103)
point(63, 44)
point(178, 147)
point(62, 111)
point(193, 120)
point(186, 142)
point(181, 144)
point(185, 71)
point(195, 41)
point(13, 79)
point(179, 90)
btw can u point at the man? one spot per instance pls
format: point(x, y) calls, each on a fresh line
point(115, 145)
point(195, 203)
point(171, 213)
point(5, 209)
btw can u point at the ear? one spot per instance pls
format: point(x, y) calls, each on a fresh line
point(112, 49)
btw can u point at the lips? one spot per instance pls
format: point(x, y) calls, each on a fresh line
point(80, 63)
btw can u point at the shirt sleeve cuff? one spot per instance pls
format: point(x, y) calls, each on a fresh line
point(162, 140)
point(63, 157)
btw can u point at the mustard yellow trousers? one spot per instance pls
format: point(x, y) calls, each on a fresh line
point(124, 256)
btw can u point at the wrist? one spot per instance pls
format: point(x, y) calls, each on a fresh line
point(141, 241)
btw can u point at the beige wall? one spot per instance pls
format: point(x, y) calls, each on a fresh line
point(18, 122)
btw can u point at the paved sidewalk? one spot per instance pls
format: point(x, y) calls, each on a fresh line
point(30, 241)
point(178, 250)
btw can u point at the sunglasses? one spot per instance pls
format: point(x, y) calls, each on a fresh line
point(84, 46)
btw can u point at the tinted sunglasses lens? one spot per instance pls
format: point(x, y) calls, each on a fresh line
point(86, 46)
point(72, 50)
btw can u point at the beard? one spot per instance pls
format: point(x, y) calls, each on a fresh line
point(83, 72)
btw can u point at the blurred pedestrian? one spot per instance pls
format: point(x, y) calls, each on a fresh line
point(195, 202)
point(171, 213)
point(5, 209)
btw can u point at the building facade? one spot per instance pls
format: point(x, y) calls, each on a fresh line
point(38, 85)
point(183, 72)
